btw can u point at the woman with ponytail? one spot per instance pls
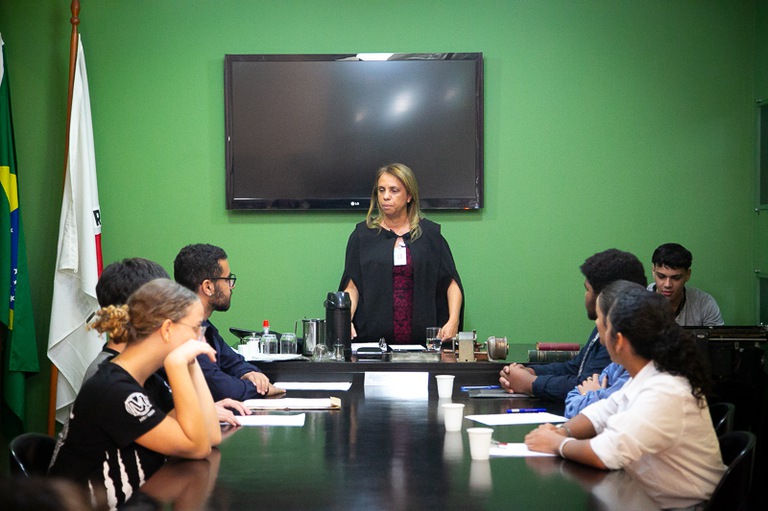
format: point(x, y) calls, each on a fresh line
point(118, 435)
point(657, 427)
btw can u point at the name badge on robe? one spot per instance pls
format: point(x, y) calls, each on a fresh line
point(401, 259)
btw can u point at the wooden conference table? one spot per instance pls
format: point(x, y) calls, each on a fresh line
point(387, 453)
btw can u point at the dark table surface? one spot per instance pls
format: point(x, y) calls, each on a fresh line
point(466, 373)
point(387, 453)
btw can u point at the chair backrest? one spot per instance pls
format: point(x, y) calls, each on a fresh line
point(722, 417)
point(732, 492)
point(31, 453)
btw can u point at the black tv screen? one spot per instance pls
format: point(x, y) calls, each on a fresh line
point(310, 131)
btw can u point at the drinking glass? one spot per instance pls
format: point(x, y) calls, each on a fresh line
point(288, 343)
point(434, 342)
point(269, 344)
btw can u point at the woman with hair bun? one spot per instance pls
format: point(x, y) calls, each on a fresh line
point(657, 427)
point(118, 435)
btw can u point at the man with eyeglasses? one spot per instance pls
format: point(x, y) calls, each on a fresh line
point(671, 270)
point(117, 282)
point(204, 269)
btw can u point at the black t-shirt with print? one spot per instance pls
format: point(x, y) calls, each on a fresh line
point(98, 446)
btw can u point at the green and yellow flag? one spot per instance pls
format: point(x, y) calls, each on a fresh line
point(17, 332)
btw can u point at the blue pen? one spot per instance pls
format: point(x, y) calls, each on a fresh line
point(479, 387)
point(526, 410)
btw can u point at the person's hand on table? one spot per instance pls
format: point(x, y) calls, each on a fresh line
point(516, 366)
point(546, 438)
point(593, 383)
point(259, 379)
point(517, 378)
point(352, 331)
point(274, 391)
point(449, 330)
point(224, 411)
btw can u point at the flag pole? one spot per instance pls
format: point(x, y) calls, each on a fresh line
point(75, 21)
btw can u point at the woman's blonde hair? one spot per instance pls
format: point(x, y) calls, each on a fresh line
point(413, 211)
point(147, 308)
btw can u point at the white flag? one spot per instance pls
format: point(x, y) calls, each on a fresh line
point(78, 263)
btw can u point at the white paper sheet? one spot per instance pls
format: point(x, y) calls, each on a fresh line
point(294, 403)
point(403, 386)
point(314, 385)
point(514, 450)
point(296, 419)
point(513, 419)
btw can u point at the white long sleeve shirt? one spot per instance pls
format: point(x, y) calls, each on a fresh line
point(654, 429)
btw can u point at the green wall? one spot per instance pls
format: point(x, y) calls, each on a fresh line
point(608, 124)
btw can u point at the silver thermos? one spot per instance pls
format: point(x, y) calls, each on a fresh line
point(313, 331)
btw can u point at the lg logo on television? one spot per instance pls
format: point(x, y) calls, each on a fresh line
point(354, 203)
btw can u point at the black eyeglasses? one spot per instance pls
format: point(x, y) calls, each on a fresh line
point(231, 280)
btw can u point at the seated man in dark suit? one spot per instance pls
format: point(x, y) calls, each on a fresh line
point(205, 270)
point(554, 381)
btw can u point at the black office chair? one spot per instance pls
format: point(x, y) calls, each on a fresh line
point(732, 492)
point(31, 454)
point(722, 417)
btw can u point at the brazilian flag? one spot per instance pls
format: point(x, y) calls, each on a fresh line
point(17, 331)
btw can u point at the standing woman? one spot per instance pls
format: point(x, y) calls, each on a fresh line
point(117, 435)
point(399, 271)
point(657, 427)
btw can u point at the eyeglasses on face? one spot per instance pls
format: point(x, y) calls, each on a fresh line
point(199, 329)
point(231, 280)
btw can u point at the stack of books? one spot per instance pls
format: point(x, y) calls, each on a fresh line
point(554, 351)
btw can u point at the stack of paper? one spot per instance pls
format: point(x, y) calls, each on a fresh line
point(513, 419)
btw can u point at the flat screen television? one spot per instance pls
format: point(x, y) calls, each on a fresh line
point(310, 131)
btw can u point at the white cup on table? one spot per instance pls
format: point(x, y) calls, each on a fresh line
point(444, 385)
point(479, 442)
point(453, 416)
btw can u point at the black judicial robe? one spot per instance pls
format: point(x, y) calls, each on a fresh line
point(369, 262)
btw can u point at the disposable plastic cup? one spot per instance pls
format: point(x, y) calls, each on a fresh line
point(444, 385)
point(453, 416)
point(479, 442)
